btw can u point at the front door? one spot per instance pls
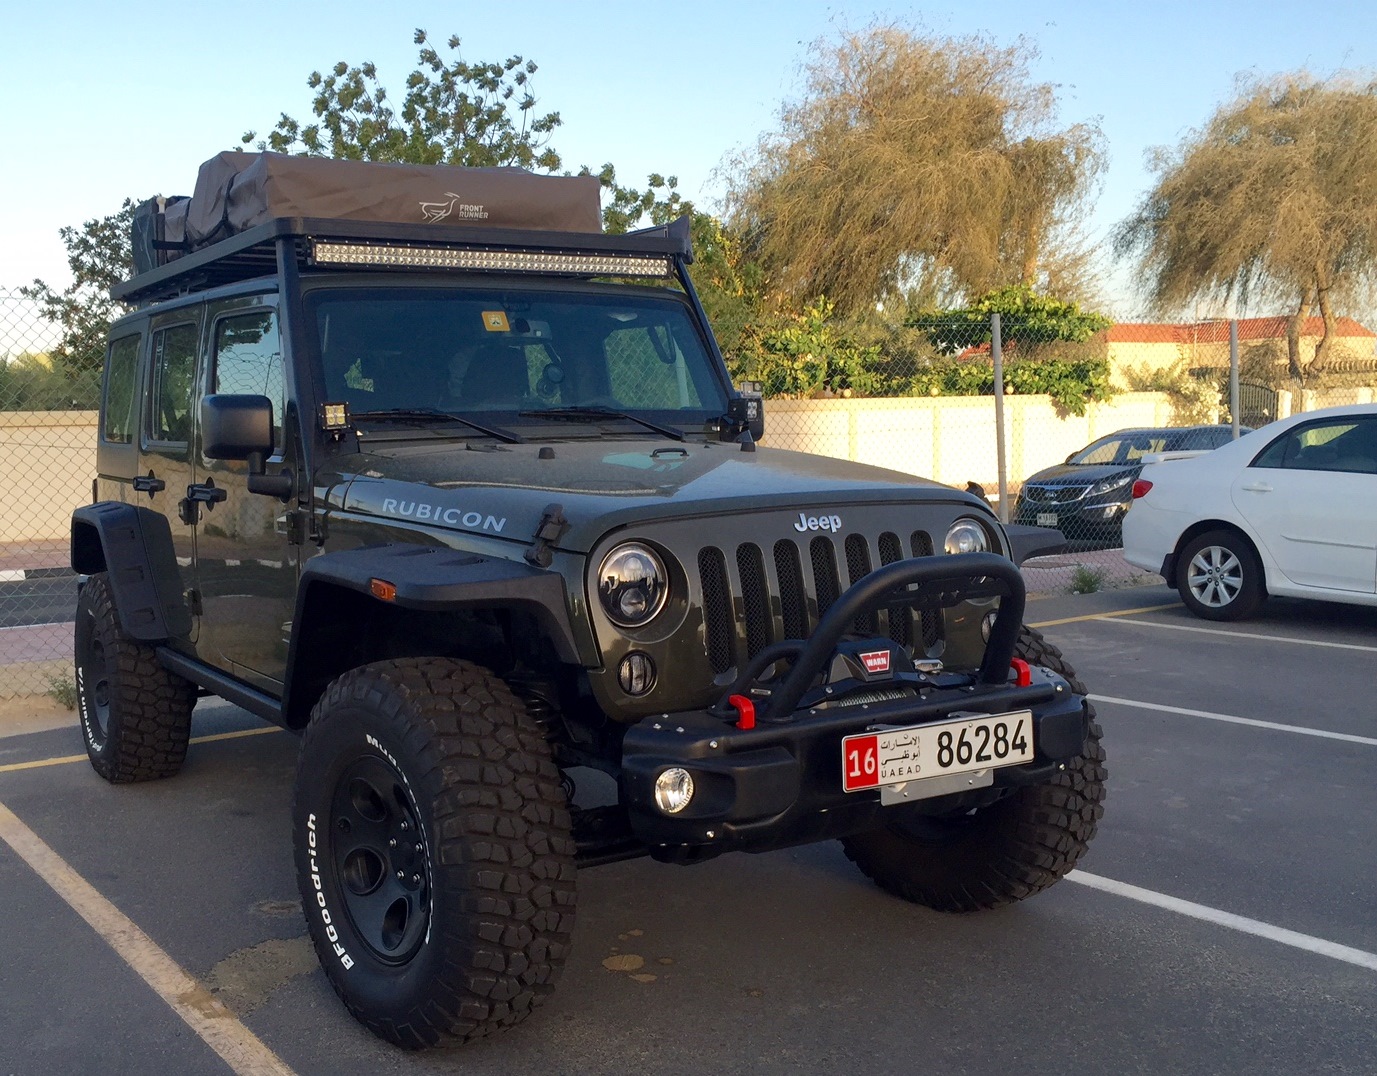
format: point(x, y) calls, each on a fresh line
point(245, 567)
point(1311, 497)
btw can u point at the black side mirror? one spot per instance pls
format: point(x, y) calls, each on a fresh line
point(236, 427)
point(745, 413)
point(241, 428)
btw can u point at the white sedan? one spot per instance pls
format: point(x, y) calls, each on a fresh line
point(1290, 509)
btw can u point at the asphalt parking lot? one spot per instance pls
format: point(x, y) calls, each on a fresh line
point(1223, 921)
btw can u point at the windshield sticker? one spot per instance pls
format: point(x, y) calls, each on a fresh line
point(495, 321)
point(454, 517)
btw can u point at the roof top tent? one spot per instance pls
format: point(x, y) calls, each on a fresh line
point(257, 214)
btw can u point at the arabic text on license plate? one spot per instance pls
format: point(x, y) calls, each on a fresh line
point(1047, 519)
point(895, 756)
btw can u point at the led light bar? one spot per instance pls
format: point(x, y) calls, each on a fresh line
point(404, 256)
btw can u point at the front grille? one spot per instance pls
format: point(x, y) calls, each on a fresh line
point(1054, 494)
point(751, 600)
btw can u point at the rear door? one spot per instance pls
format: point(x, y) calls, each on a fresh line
point(1311, 497)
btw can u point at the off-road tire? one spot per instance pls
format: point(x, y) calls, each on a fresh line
point(1219, 577)
point(440, 757)
point(1006, 851)
point(135, 714)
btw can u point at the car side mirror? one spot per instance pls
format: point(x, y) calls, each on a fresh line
point(745, 413)
point(237, 427)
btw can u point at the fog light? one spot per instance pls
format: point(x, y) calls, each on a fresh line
point(673, 790)
point(636, 673)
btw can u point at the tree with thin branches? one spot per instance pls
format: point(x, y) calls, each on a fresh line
point(1273, 200)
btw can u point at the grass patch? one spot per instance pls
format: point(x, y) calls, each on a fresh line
point(62, 691)
point(1086, 580)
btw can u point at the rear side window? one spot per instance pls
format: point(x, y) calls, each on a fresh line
point(121, 380)
point(174, 365)
point(248, 361)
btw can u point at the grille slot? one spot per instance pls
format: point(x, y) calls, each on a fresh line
point(826, 585)
point(793, 599)
point(899, 624)
point(857, 568)
point(755, 597)
point(717, 609)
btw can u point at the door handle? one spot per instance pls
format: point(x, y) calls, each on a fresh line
point(206, 493)
point(1256, 487)
point(149, 483)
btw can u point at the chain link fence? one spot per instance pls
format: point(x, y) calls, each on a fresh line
point(1057, 445)
point(48, 402)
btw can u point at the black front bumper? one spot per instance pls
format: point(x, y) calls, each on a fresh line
point(780, 782)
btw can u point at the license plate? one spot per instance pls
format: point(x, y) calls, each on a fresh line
point(896, 756)
point(1047, 519)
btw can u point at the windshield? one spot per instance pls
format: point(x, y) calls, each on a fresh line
point(1121, 448)
point(518, 352)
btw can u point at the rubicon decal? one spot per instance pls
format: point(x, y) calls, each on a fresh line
point(454, 517)
point(876, 661)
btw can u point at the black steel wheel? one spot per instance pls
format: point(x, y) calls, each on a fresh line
point(135, 714)
point(433, 851)
point(1006, 851)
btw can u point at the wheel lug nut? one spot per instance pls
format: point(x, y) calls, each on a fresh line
point(416, 878)
point(401, 876)
point(392, 842)
point(419, 849)
point(405, 824)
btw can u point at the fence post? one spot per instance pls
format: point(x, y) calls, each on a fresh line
point(997, 354)
point(1233, 374)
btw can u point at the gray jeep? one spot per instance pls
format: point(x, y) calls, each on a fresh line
point(478, 512)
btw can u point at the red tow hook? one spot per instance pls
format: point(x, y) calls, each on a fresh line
point(745, 711)
point(1023, 675)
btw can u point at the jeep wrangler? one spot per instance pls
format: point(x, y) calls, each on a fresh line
point(478, 512)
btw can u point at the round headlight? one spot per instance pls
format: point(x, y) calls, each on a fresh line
point(632, 584)
point(967, 536)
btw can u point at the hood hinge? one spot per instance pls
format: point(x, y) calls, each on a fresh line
point(551, 528)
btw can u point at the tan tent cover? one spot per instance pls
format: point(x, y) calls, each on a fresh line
point(236, 191)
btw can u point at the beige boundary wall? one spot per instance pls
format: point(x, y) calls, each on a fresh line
point(952, 438)
point(47, 461)
point(48, 458)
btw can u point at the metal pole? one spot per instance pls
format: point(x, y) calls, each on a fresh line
point(1233, 373)
point(997, 353)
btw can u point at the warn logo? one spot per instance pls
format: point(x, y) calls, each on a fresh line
point(876, 661)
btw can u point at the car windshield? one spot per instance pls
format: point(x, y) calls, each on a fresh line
point(515, 353)
point(1121, 448)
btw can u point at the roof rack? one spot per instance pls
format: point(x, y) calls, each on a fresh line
point(317, 243)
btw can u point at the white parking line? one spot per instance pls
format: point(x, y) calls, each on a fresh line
point(1300, 730)
point(206, 1014)
point(1256, 927)
point(1250, 635)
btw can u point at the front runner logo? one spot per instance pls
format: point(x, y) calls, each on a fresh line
point(438, 211)
point(876, 661)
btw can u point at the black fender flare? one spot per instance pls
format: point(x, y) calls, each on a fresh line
point(134, 546)
point(424, 578)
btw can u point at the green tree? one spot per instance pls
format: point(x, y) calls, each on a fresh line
point(1273, 200)
point(1026, 318)
point(99, 255)
point(479, 115)
point(917, 163)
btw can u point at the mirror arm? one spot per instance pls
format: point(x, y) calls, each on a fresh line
point(281, 485)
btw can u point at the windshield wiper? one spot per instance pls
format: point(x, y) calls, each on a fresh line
point(437, 415)
point(592, 414)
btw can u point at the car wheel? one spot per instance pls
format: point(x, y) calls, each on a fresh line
point(1219, 577)
point(135, 714)
point(1009, 850)
point(433, 851)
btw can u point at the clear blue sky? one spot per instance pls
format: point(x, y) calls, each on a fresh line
point(110, 100)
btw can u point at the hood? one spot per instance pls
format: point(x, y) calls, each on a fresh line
point(1066, 474)
point(504, 490)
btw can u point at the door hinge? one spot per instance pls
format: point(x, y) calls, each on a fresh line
point(304, 525)
point(193, 600)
